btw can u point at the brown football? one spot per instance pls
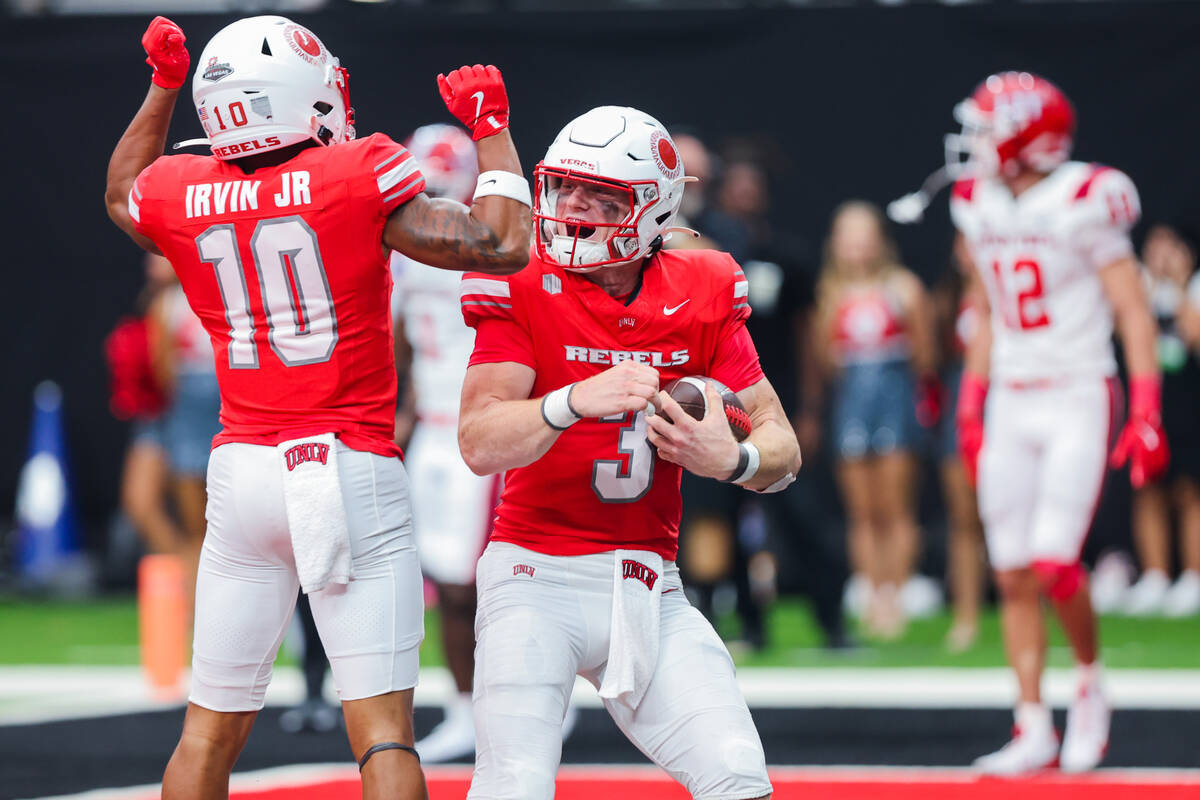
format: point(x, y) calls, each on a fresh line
point(689, 393)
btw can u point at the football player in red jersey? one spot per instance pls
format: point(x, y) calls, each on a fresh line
point(1049, 239)
point(561, 394)
point(280, 241)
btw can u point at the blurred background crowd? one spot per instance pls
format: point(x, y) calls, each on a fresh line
point(859, 326)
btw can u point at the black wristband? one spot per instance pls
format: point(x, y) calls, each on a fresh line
point(742, 462)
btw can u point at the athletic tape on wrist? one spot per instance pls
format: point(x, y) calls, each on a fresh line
point(556, 408)
point(504, 184)
point(747, 465)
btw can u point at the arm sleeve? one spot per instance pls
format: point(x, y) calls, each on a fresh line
point(395, 172)
point(499, 340)
point(1108, 208)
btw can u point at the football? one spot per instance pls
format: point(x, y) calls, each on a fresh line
point(689, 393)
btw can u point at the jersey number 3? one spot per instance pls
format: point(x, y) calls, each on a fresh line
point(625, 480)
point(300, 320)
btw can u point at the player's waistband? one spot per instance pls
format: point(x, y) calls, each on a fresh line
point(367, 443)
point(1043, 383)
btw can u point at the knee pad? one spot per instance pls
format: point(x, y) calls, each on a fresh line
point(1059, 581)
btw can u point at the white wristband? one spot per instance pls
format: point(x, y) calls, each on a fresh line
point(556, 409)
point(504, 184)
point(752, 462)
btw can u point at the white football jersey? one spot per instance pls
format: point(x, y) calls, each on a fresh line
point(441, 342)
point(1039, 256)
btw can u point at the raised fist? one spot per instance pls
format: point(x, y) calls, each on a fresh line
point(165, 51)
point(476, 95)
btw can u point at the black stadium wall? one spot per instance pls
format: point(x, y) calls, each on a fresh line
point(855, 100)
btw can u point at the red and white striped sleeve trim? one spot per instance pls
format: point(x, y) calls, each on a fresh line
point(398, 177)
point(741, 290)
point(485, 297)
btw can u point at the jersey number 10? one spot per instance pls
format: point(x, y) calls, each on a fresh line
point(301, 323)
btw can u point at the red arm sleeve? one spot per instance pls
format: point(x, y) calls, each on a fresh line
point(499, 340)
point(735, 363)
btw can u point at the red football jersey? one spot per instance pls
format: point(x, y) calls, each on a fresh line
point(601, 486)
point(286, 269)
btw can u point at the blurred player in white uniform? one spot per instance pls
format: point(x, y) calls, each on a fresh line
point(1049, 238)
point(452, 506)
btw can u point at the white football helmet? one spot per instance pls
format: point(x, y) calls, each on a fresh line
point(447, 159)
point(266, 82)
point(613, 147)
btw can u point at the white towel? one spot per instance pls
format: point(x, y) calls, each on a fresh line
point(633, 638)
point(316, 517)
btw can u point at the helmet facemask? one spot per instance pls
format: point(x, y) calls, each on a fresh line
point(594, 223)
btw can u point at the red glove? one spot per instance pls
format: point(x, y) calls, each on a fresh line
point(1142, 442)
point(476, 95)
point(969, 418)
point(929, 400)
point(165, 51)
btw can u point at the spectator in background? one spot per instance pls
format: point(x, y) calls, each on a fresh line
point(874, 333)
point(1173, 285)
point(182, 356)
point(138, 398)
point(957, 319)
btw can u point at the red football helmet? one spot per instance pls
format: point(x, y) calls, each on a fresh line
point(1012, 120)
point(447, 158)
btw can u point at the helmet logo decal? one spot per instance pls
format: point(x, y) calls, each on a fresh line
point(215, 70)
point(1015, 109)
point(664, 154)
point(304, 44)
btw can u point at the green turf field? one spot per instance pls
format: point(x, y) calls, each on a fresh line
point(104, 631)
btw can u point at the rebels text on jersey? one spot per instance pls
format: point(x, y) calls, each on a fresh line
point(601, 486)
point(286, 269)
point(1039, 256)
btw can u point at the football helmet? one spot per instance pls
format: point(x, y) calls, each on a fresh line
point(627, 156)
point(1012, 120)
point(447, 159)
point(263, 83)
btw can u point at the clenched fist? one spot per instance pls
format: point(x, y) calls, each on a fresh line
point(628, 386)
point(476, 95)
point(166, 53)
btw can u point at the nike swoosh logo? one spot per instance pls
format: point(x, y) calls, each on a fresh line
point(670, 311)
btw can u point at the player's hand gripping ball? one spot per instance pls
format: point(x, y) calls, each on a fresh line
point(166, 53)
point(476, 95)
point(689, 393)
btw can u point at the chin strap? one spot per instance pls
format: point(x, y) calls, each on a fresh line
point(191, 143)
point(681, 229)
point(911, 207)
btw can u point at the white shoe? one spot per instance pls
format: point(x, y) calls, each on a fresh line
point(453, 737)
point(856, 596)
point(1034, 746)
point(1086, 739)
point(921, 597)
point(1110, 581)
point(1146, 597)
point(1183, 599)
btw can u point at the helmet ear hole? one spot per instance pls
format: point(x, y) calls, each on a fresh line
point(266, 49)
point(322, 107)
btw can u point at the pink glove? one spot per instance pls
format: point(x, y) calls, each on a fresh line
point(1142, 442)
point(165, 51)
point(476, 95)
point(972, 393)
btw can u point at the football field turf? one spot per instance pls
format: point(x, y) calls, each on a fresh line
point(104, 631)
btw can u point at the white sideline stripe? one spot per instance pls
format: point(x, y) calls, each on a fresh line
point(31, 694)
point(301, 775)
